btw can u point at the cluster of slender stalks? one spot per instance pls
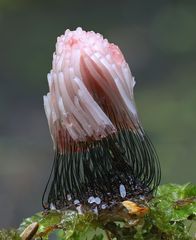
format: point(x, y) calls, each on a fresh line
point(98, 168)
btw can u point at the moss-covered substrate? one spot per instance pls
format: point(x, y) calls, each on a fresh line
point(170, 215)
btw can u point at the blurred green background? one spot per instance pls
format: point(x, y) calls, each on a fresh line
point(158, 39)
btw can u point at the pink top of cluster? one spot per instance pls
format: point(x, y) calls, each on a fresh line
point(95, 41)
point(90, 89)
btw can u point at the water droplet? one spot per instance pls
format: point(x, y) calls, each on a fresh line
point(122, 191)
point(97, 200)
point(103, 206)
point(76, 202)
point(52, 206)
point(91, 200)
point(68, 197)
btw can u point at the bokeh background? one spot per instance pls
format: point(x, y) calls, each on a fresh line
point(158, 39)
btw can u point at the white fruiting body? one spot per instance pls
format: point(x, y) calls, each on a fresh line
point(89, 76)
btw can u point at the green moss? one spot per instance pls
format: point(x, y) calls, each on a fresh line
point(171, 216)
point(11, 234)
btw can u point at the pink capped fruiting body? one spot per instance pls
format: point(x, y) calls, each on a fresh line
point(90, 90)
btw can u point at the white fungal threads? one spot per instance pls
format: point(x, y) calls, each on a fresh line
point(88, 75)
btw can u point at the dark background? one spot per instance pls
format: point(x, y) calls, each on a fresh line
point(158, 39)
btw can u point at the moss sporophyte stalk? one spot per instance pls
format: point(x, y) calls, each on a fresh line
point(102, 154)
